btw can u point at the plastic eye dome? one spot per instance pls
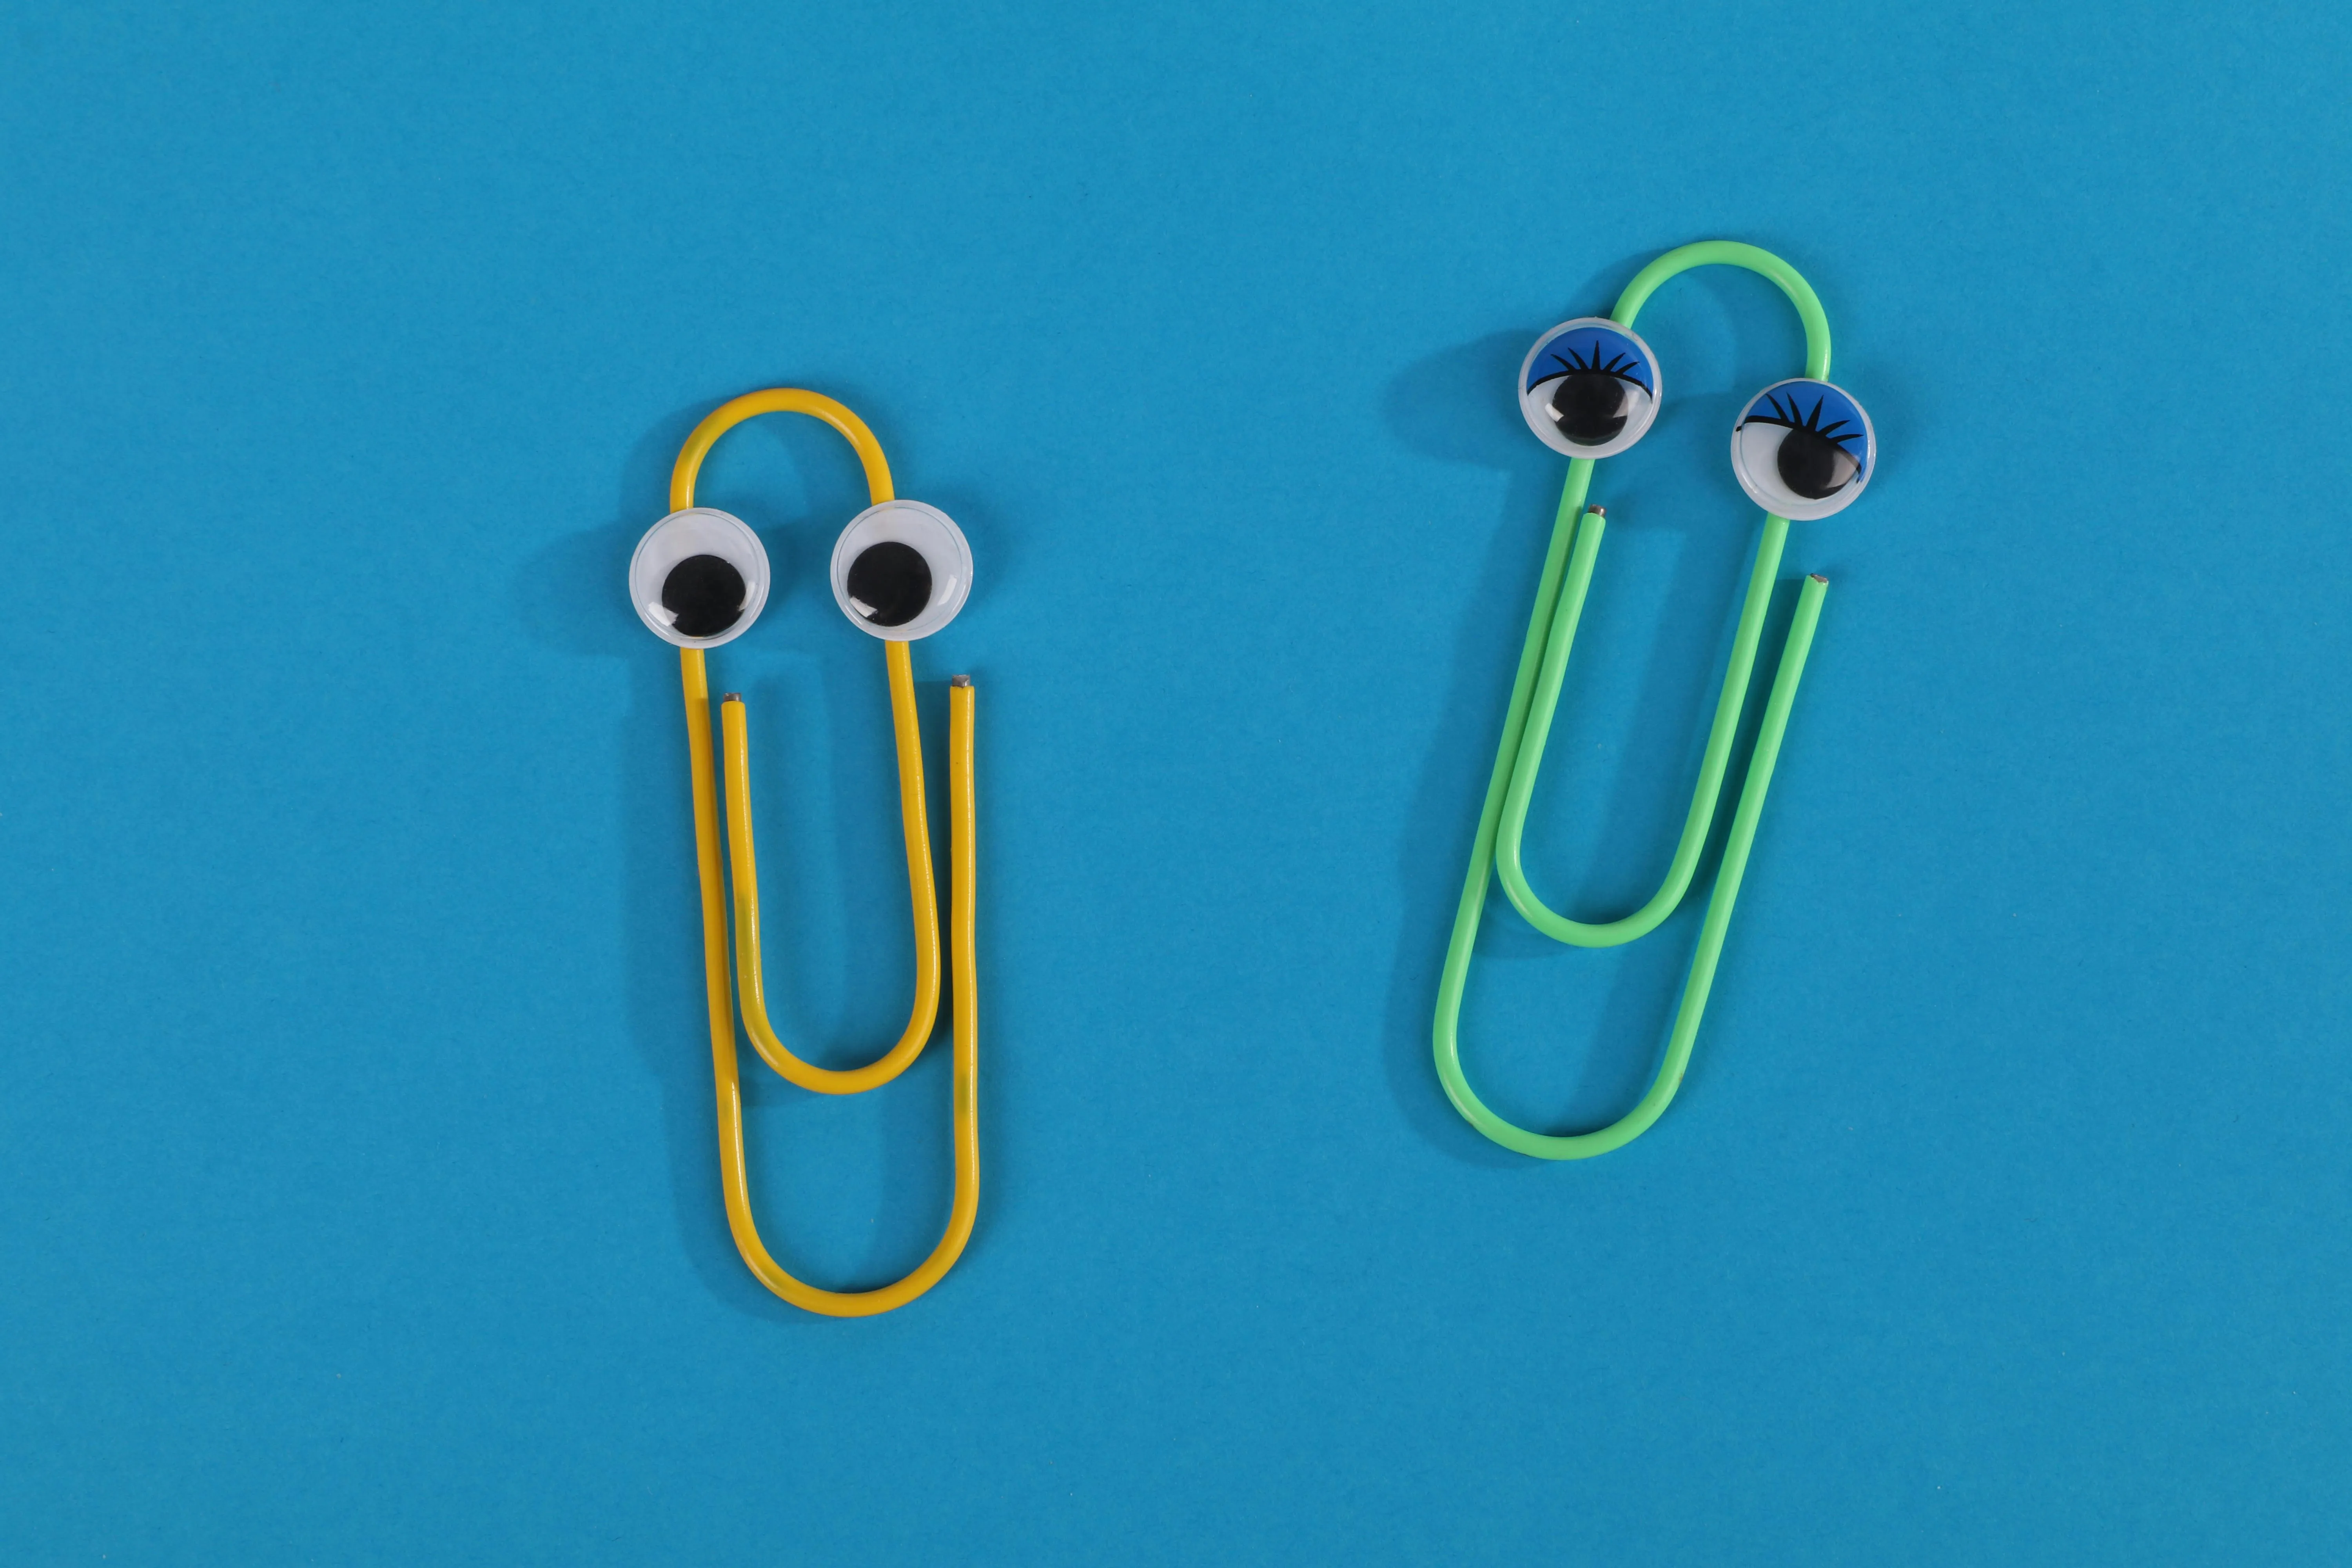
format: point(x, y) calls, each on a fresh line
point(699, 578)
point(1803, 450)
point(901, 569)
point(1589, 388)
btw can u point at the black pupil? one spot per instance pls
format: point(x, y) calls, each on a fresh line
point(1590, 407)
point(889, 583)
point(705, 594)
point(1813, 466)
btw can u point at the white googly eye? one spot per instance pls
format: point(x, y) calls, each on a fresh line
point(1589, 388)
point(901, 569)
point(699, 578)
point(1803, 450)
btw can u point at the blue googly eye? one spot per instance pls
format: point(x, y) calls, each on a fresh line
point(1589, 388)
point(1803, 450)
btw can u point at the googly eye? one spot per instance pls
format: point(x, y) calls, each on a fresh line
point(1803, 450)
point(1589, 387)
point(901, 569)
point(699, 578)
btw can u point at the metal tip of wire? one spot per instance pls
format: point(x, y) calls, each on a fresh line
point(732, 697)
point(1597, 511)
point(1819, 578)
point(960, 680)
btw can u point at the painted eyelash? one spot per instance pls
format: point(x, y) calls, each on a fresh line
point(1788, 417)
point(1622, 366)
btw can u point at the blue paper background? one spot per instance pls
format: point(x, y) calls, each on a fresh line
point(357, 1185)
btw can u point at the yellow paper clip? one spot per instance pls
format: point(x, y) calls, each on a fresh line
point(901, 569)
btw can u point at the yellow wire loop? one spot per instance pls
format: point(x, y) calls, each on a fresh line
point(777, 400)
point(711, 873)
point(912, 813)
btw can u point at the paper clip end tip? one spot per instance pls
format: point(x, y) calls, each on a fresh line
point(1819, 578)
point(960, 680)
point(1597, 511)
point(731, 696)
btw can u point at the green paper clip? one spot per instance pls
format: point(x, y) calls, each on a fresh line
point(1589, 388)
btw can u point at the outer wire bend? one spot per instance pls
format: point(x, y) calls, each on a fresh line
point(733, 1179)
point(1697, 983)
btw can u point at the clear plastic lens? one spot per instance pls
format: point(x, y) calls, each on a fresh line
point(901, 569)
point(699, 578)
point(1803, 450)
point(1589, 388)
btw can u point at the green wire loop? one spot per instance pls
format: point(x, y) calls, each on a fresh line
point(1712, 765)
point(1732, 253)
point(1527, 728)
